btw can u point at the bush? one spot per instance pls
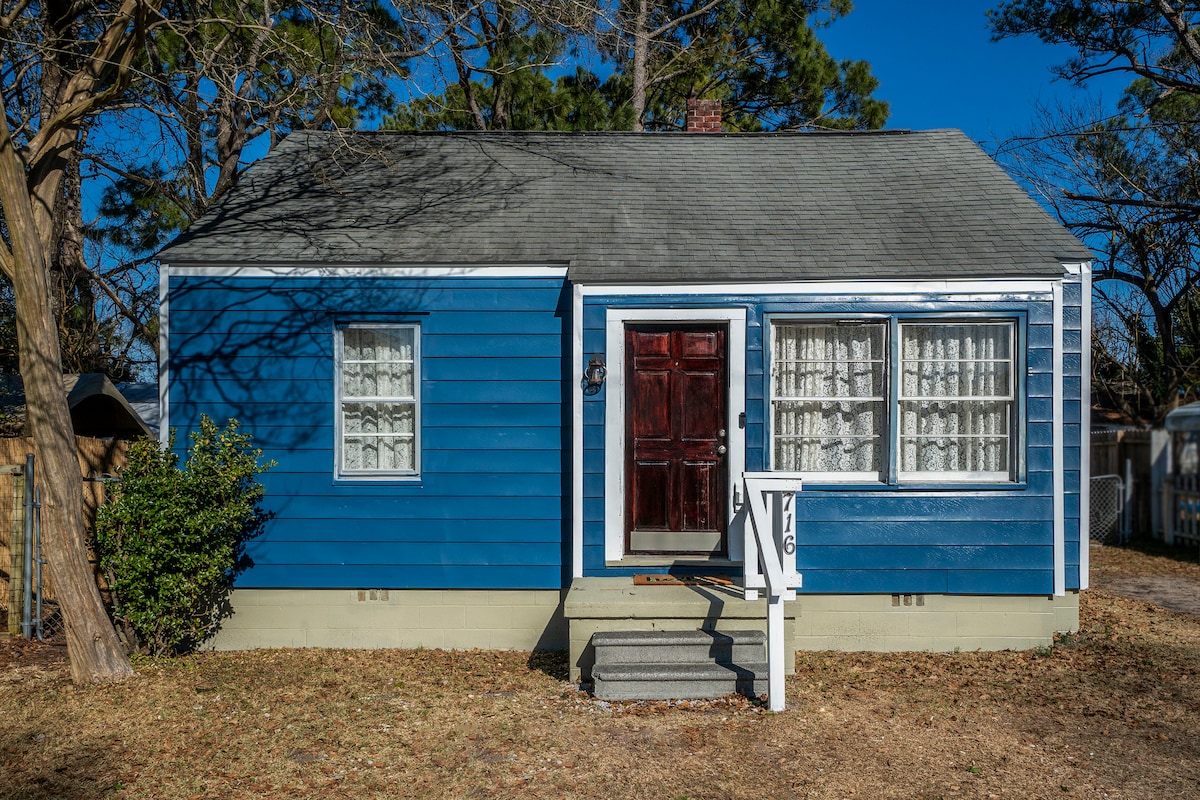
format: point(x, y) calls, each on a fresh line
point(171, 541)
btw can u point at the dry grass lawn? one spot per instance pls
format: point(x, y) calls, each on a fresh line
point(1113, 712)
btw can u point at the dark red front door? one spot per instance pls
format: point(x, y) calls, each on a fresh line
point(675, 439)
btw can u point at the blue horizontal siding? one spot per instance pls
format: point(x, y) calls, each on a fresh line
point(875, 581)
point(1040, 360)
point(351, 551)
point(881, 539)
point(534, 388)
point(933, 531)
point(283, 431)
point(1040, 384)
point(898, 506)
point(321, 323)
point(922, 557)
point(402, 576)
point(493, 368)
point(593, 412)
point(487, 510)
point(293, 342)
point(487, 415)
point(493, 458)
point(997, 581)
point(365, 296)
point(367, 531)
point(404, 506)
point(437, 484)
point(318, 465)
point(319, 370)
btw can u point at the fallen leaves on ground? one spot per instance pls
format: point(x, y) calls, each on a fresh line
point(1109, 712)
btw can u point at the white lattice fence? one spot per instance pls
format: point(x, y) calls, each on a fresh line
point(1183, 509)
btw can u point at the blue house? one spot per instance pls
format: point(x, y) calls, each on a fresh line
point(503, 374)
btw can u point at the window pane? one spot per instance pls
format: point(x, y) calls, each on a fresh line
point(814, 366)
point(948, 361)
point(378, 380)
point(378, 344)
point(377, 362)
point(377, 417)
point(827, 437)
point(379, 453)
point(956, 397)
point(378, 398)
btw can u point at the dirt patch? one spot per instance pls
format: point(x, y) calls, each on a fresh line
point(1167, 577)
point(18, 652)
point(1177, 594)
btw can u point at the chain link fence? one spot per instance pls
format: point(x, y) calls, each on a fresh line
point(1107, 517)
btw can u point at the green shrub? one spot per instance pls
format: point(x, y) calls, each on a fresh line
point(171, 541)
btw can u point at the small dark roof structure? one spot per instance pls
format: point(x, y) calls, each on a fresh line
point(97, 408)
point(618, 207)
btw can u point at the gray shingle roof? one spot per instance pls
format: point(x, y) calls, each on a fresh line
point(637, 207)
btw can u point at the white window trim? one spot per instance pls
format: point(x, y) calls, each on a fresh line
point(340, 471)
point(890, 456)
point(614, 414)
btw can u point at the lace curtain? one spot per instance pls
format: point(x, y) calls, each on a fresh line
point(828, 401)
point(378, 399)
point(956, 397)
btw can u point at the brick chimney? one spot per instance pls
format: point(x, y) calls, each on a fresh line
point(703, 116)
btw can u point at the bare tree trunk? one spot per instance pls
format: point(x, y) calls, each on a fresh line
point(641, 56)
point(71, 281)
point(464, 78)
point(92, 644)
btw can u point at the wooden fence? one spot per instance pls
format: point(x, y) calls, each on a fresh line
point(97, 457)
point(1181, 501)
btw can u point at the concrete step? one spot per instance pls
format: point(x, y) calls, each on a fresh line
point(692, 681)
point(659, 647)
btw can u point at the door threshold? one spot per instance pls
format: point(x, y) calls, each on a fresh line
point(690, 562)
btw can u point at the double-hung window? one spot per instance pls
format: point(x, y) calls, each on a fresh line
point(894, 400)
point(378, 412)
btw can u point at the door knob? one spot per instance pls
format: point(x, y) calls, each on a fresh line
point(722, 449)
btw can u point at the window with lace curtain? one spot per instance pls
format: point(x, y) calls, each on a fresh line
point(940, 405)
point(378, 370)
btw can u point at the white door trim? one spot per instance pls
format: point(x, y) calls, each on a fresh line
point(614, 410)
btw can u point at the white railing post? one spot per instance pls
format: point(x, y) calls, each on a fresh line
point(771, 546)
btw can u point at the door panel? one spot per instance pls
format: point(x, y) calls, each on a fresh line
point(699, 486)
point(654, 481)
point(676, 473)
point(696, 415)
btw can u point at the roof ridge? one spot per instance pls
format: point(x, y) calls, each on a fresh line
point(811, 132)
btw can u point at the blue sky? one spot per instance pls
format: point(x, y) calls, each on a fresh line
point(938, 67)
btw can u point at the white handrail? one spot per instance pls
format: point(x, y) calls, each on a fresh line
point(770, 545)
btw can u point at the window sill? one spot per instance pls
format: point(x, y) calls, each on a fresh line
point(377, 480)
point(941, 486)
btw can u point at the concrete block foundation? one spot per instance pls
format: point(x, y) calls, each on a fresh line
point(373, 618)
point(554, 620)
